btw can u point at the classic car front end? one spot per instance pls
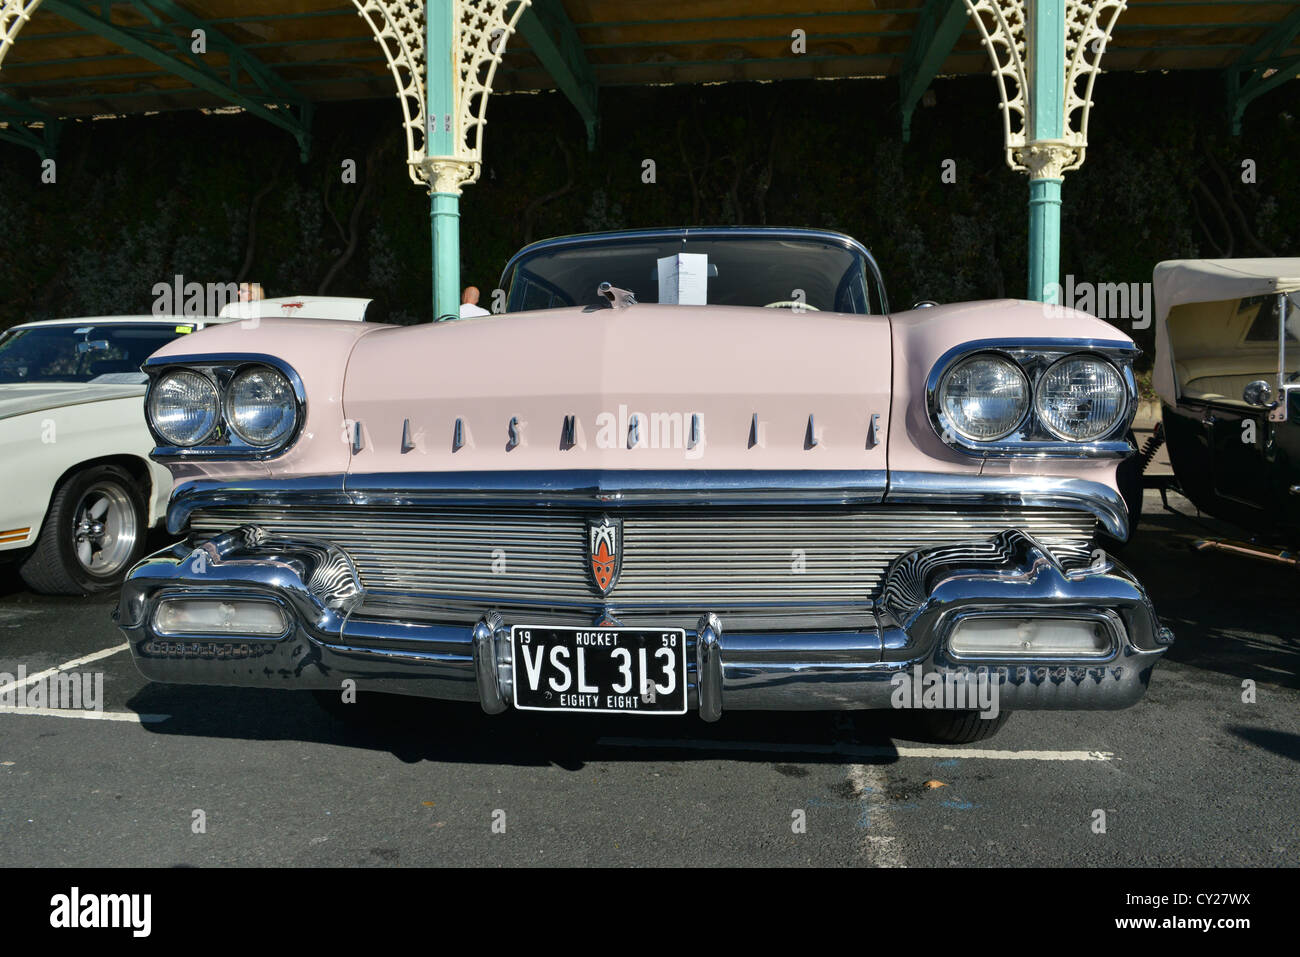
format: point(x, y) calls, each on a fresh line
point(656, 484)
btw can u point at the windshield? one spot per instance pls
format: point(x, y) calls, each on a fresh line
point(781, 271)
point(1268, 310)
point(90, 353)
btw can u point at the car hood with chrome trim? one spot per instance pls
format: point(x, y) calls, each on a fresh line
point(24, 398)
point(648, 387)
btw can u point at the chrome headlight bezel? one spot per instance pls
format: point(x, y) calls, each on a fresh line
point(1032, 438)
point(223, 442)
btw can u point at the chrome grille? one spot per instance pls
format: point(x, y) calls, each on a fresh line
point(764, 567)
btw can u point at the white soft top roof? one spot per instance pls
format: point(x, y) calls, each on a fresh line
point(1181, 281)
point(299, 307)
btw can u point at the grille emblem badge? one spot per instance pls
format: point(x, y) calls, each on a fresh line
point(604, 552)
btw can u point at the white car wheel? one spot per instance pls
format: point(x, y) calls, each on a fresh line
point(94, 532)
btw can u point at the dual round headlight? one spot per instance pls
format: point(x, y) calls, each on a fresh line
point(258, 405)
point(1080, 398)
point(184, 407)
point(986, 397)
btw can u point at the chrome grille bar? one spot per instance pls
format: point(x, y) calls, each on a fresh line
point(770, 565)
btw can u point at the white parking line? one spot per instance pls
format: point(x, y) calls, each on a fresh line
point(855, 750)
point(88, 715)
point(42, 675)
point(880, 845)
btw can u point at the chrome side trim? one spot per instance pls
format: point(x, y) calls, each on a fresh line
point(1031, 438)
point(304, 490)
point(1047, 491)
point(221, 368)
point(657, 488)
point(576, 486)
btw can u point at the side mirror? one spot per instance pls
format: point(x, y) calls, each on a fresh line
point(1258, 393)
point(924, 304)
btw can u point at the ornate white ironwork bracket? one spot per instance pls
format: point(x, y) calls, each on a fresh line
point(14, 15)
point(1002, 26)
point(1048, 159)
point(482, 29)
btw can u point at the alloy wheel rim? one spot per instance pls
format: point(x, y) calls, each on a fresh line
point(104, 529)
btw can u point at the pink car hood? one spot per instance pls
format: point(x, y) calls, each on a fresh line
point(644, 372)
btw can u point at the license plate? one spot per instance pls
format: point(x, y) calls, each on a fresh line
point(599, 670)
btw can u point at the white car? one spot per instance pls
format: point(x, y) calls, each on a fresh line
point(78, 492)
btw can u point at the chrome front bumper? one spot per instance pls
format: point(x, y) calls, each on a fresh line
point(926, 592)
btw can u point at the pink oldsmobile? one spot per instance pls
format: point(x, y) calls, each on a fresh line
point(679, 470)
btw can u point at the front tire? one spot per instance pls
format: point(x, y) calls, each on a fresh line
point(957, 727)
point(93, 533)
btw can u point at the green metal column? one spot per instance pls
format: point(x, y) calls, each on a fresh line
point(1046, 67)
point(440, 140)
point(1045, 239)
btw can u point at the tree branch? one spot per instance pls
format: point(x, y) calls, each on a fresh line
point(354, 221)
point(250, 246)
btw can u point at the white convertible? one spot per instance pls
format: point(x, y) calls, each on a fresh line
point(78, 492)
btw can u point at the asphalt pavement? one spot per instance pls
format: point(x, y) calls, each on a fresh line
point(176, 775)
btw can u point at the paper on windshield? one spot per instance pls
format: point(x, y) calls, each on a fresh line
point(684, 279)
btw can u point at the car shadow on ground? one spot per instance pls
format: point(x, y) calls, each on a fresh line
point(1281, 743)
point(418, 729)
point(1230, 614)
